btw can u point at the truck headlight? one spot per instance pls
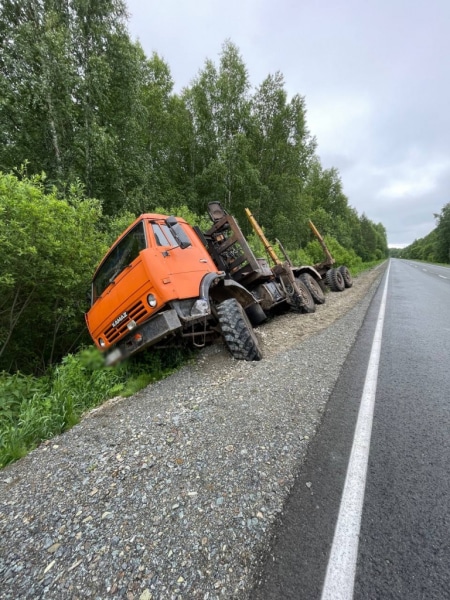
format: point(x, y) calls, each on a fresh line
point(101, 342)
point(152, 302)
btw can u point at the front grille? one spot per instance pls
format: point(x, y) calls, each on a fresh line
point(136, 313)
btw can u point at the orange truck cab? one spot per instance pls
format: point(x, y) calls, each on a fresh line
point(158, 285)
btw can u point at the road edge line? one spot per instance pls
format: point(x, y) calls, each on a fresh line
point(341, 570)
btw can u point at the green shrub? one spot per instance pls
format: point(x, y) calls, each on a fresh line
point(48, 250)
point(13, 389)
point(356, 270)
point(36, 409)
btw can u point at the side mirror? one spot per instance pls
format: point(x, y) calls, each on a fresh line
point(216, 211)
point(178, 232)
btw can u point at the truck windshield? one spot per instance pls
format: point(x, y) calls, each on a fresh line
point(119, 258)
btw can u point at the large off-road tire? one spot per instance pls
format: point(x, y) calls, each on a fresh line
point(335, 281)
point(346, 276)
point(237, 331)
point(307, 305)
point(314, 288)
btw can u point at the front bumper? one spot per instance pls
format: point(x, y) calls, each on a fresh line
point(147, 334)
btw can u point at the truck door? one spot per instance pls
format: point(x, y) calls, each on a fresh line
point(184, 267)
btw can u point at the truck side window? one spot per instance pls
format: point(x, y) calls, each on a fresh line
point(159, 236)
point(169, 236)
point(163, 235)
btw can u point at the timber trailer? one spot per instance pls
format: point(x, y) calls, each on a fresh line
point(336, 278)
point(280, 287)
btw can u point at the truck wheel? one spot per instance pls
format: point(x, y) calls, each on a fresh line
point(346, 276)
point(335, 280)
point(308, 305)
point(314, 288)
point(237, 331)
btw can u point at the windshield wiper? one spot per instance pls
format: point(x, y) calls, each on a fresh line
point(114, 275)
point(117, 272)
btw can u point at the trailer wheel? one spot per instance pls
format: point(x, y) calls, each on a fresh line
point(335, 280)
point(314, 288)
point(307, 305)
point(346, 276)
point(237, 331)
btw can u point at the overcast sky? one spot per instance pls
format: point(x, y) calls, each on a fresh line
point(375, 75)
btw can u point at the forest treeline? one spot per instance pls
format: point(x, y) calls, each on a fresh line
point(434, 247)
point(92, 134)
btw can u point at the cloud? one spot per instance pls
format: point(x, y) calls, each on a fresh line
point(414, 178)
point(331, 118)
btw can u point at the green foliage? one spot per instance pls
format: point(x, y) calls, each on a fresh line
point(314, 254)
point(356, 270)
point(219, 109)
point(13, 389)
point(434, 247)
point(71, 84)
point(282, 148)
point(442, 237)
point(395, 252)
point(48, 250)
point(113, 226)
point(341, 255)
point(203, 221)
point(36, 409)
point(255, 243)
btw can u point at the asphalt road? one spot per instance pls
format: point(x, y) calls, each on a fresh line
point(434, 270)
point(404, 548)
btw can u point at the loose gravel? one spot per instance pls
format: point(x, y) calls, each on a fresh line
point(173, 493)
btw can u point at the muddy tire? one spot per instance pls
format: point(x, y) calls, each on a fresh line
point(346, 276)
point(314, 288)
point(237, 331)
point(335, 281)
point(307, 303)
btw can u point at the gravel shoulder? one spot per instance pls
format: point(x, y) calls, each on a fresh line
point(173, 493)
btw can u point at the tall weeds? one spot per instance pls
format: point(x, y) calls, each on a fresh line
point(36, 409)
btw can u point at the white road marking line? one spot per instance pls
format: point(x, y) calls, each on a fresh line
point(341, 570)
point(442, 276)
point(425, 270)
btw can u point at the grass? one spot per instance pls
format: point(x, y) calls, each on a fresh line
point(360, 268)
point(36, 409)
